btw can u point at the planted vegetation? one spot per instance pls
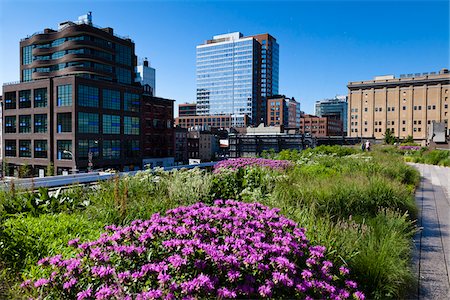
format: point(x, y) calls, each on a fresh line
point(358, 206)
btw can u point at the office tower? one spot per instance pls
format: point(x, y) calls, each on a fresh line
point(334, 108)
point(235, 75)
point(407, 105)
point(77, 105)
point(146, 75)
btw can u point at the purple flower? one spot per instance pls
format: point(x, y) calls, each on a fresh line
point(74, 242)
point(41, 282)
point(359, 295)
point(67, 285)
point(84, 294)
point(26, 283)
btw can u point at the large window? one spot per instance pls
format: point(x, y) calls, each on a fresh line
point(10, 124)
point(86, 146)
point(40, 123)
point(40, 149)
point(10, 100)
point(24, 148)
point(87, 122)
point(123, 75)
point(25, 99)
point(25, 124)
point(40, 97)
point(111, 149)
point(64, 95)
point(131, 102)
point(26, 74)
point(87, 96)
point(11, 148)
point(64, 122)
point(131, 148)
point(111, 99)
point(64, 149)
point(123, 54)
point(131, 125)
point(111, 124)
point(27, 56)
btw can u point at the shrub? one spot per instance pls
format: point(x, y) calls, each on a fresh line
point(24, 239)
point(229, 250)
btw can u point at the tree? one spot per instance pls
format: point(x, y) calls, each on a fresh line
point(50, 170)
point(389, 138)
point(409, 139)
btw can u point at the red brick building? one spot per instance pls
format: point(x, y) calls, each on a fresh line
point(320, 127)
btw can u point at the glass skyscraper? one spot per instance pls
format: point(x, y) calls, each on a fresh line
point(235, 74)
point(335, 108)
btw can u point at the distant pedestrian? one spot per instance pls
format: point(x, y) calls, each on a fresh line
point(368, 145)
point(363, 147)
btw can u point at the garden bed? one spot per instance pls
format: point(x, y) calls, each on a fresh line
point(358, 206)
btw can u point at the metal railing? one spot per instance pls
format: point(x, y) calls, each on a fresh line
point(82, 179)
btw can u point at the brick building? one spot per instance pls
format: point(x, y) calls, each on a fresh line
point(320, 126)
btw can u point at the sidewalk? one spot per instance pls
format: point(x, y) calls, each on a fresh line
point(432, 251)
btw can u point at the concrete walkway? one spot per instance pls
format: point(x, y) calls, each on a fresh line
point(432, 251)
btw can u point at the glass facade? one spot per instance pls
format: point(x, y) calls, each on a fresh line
point(26, 74)
point(131, 148)
point(40, 123)
point(225, 78)
point(111, 99)
point(87, 122)
point(87, 96)
point(64, 95)
point(334, 108)
point(131, 102)
point(40, 149)
point(111, 124)
point(40, 97)
point(131, 125)
point(86, 146)
point(27, 57)
point(111, 149)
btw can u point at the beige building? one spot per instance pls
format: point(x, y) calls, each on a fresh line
point(406, 105)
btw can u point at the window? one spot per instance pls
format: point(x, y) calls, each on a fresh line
point(131, 125)
point(365, 109)
point(27, 57)
point(429, 107)
point(86, 146)
point(64, 122)
point(404, 107)
point(24, 148)
point(403, 129)
point(111, 124)
point(25, 99)
point(131, 148)
point(434, 106)
point(403, 122)
point(111, 99)
point(10, 100)
point(26, 75)
point(40, 149)
point(420, 107)
point(123, 54)
point(415, 107)
point(10, 148)
point(131, 102)
point(111, 149)
point(64, 149)
point(64, 95)
point(40, 123)
point(445, 106)
point(87, 96)
point(87, 122)
point(40, 97)
point(123, 75)
point(393, 108)
point(10, 124)
point(25, 124)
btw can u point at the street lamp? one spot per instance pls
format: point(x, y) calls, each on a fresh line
point(71, 154)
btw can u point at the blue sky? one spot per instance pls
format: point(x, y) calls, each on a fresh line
point(323, 44)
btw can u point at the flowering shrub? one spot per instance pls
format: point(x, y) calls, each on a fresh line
point(237, 163)
point(228, 250)
point(410, 148)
